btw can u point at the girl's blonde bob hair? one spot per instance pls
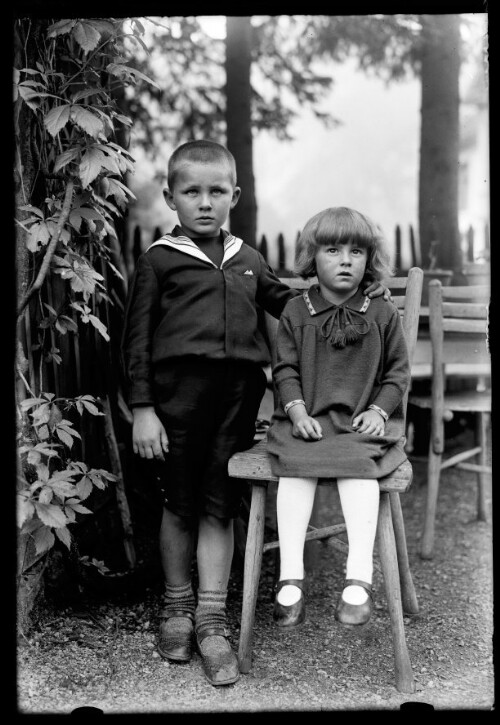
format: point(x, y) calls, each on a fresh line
point(339, 225)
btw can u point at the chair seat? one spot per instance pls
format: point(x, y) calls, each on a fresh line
point(254, 465)
point(469, 401)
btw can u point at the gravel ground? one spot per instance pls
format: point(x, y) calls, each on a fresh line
point(102, 654)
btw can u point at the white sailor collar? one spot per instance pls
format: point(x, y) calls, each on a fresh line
point(181, 243)
point(316, 303)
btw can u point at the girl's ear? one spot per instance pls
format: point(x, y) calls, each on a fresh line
point(169, 198)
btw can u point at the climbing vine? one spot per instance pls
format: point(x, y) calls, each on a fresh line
point(67, 210)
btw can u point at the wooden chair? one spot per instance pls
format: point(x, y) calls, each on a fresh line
point(458, 335)
point(253, 465)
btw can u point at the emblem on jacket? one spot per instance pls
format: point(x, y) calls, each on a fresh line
point(249, 272)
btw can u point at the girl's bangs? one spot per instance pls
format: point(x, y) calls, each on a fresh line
point(343, 227)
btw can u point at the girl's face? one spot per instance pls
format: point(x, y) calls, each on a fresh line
point(340, 269)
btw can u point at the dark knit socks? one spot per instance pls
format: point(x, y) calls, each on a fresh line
point(178, 599)
point(211, 613)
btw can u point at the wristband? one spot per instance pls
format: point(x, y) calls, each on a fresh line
point(379, 411)
point(292, 403)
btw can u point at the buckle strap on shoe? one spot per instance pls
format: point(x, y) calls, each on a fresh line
point(285, 582)
point(358, 583)
point(203, 632)
point(168, 613)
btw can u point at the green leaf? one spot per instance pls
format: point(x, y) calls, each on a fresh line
point(92, 409)
point(64, 437)
point(80, 509)
point(87, 121)
point(83, 488)
point(64, 489)
point(95, 321)
point(56, 119)
point(64, 536)
point(90, 166)
point(25, 510)
point(45, 495)
point(44, 539)
point(86, 35)
point(60, 28)
point(51, 515)
point(65, 158)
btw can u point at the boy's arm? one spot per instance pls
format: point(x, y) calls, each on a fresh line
point(141, 319)
point(272, 293)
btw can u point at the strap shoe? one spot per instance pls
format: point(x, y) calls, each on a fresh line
point(290, 616)
point(355, 614)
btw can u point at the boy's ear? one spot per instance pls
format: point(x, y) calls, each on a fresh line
point(236, 196)
point(169, 198)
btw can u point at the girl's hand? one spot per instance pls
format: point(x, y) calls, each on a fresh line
point(369, 422)
point(149, 438)
point(375, 289)
point(307, 428)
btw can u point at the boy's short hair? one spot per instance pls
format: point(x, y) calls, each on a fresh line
point(339, 225)
point(204, 152)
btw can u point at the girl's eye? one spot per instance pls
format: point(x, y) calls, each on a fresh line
point(332, 250)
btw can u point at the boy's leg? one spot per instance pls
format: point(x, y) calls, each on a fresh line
point(294, 504)
point(214, 556)
point(359, 499)
point(177, 615)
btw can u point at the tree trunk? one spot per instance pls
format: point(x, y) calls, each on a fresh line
point(439, 142)
point(239, 124)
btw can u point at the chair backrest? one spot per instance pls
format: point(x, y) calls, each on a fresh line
point(458, 326)
point(406, 293)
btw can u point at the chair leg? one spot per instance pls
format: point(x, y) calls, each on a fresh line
point(482, 440)
point(251, 574)
point(433, 474)
point(388, 559)
point(409, 596)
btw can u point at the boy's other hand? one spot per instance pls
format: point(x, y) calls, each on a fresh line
point(375, 289)
point(149, 438)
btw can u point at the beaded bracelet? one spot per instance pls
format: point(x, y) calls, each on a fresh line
point(380, 411)
point(292, 403)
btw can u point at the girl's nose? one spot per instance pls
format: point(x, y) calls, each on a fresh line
point(345, 258)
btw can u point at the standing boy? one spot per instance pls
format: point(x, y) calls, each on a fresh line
point(194, 355)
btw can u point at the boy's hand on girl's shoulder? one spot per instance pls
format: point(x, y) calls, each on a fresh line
point(375, 289)
point(369, 422)
point(149, 438)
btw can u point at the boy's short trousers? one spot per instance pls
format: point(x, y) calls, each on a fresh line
point(208, 409)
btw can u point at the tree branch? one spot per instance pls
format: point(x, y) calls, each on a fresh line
point(68, 196)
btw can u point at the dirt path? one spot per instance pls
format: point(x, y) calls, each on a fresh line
point(102, 654)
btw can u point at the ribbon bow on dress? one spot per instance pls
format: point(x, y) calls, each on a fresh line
point(344, 326)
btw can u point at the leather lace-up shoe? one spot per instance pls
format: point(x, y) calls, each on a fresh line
point(175, 640)
point(289, 616)
point(220, 664)
point(354, 614)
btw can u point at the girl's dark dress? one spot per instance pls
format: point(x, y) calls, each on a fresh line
point(337, 383)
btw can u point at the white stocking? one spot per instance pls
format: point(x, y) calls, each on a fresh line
point(359, 498)
point(294, 505)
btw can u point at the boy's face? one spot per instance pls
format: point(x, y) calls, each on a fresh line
point(203, 196)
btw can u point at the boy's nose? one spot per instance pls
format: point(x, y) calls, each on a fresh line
point(205, 201)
